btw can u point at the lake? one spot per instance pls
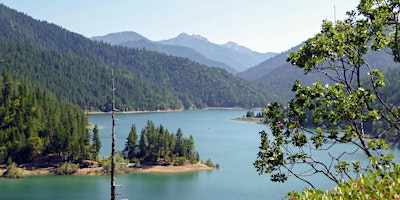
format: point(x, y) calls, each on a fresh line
point(231, 143)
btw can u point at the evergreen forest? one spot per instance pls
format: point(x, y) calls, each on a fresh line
point(78, 70)
point(156, 145)
point(50, 76)
point(35, 124)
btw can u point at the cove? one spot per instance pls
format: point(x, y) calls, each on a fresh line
point(231, 143)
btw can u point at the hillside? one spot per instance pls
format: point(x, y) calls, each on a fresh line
point(230, 56)
point(236, 56)
point(34, 123)
point(78, 70)
point(264, 68)
point(277, 76)
point(135, 40)
point(120, 37)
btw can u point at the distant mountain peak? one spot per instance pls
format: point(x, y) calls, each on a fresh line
point(232, 45)
point(199, 37)
point(119, 37)
point(233, 54)
point(230, 56)
point(193, 36)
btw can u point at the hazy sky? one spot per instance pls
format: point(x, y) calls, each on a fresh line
point(261, 25)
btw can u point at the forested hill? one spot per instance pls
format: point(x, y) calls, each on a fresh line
point(78, 70)
point(34, 123)
point(277, 76)
point(134, 40)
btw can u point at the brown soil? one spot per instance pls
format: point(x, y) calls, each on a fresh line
point(98, 171)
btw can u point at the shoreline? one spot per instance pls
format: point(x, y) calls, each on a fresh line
point(98, 171)
point(130, 112)
point(169, 110)
point(250, 119)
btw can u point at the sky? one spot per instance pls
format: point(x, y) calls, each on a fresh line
point(261, 25)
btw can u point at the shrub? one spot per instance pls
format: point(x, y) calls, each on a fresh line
point(120, 163)
point(12, 171)
point(67, 168)
point(137, 162)
point(217, 166)
point(179, 161)
point(378, 185)
point(209, 163)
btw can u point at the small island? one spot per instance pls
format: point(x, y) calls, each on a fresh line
point(99, 171)
point(156, 151)
point(41, 135)
point(252, 117)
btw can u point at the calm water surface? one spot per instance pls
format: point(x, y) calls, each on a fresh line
point(233, 144)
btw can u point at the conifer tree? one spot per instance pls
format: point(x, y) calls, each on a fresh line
point(178, 143)
point(131, 146)
point(96, 143)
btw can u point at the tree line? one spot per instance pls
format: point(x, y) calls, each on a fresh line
point(34, 124)
point(147, 80)
point(156, 145)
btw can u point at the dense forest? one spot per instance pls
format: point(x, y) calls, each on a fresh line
point(391, 94)
point(79, 68)
point(35, 124)
point(156, 145)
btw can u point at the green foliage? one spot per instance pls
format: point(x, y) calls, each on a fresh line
point(67, 168)
point(120, 163)
point(34, 122)
point(179, 161)
point(157, 145)
point(131, 147)
point(210, 163)
point(12, 171)
point(260, 115)
point(392, 96)
point(96, 143)
point(378, 185)
point(35, 146)
point(78, 68)
point(178, 150)
point(341, 113)
point(250, 114)
point(136, 161)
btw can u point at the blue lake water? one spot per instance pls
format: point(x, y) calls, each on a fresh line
point(231, 143)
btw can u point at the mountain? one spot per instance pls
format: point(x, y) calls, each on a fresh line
point(178, 51)
point(121, 37)
point(230, 56)
point(236, 56)
point(135, 40)
point(277, 76)
point(253, 55)
point(264, 68)
point(78, 70)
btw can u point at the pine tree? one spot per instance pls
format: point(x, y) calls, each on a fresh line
point(131, 146)
point(143, 151)
point(96, 143)
point(178, 143)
